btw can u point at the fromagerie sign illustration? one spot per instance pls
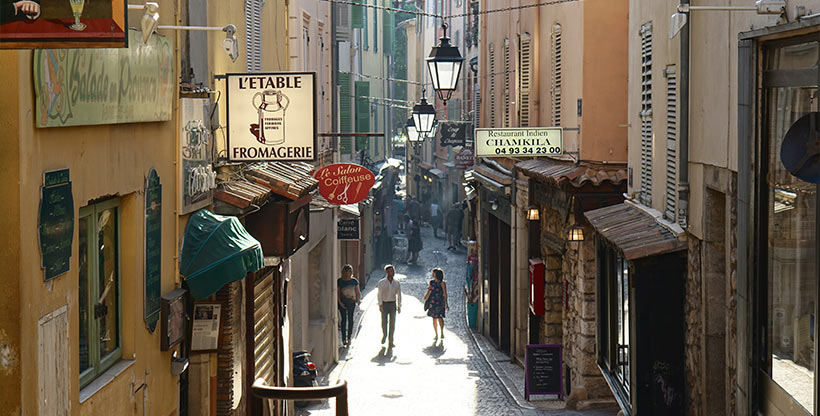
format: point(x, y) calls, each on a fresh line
point(271, 116)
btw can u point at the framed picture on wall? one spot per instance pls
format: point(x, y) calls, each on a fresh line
point(207, 325)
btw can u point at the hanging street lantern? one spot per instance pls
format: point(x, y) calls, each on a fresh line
point(444, 64)
point(413, 135)
point(423, 116)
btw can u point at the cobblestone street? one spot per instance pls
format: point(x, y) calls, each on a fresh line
point(459, 375)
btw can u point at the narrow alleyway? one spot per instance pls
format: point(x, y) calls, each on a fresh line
point(419, 376)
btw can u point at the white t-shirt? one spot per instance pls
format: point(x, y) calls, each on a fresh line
point(434, 210)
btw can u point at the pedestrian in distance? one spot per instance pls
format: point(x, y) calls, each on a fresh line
point(435, 217)
point(453, 222)
point(436, 303)
point(389, 294)
point(349, 295)
point(414, 243)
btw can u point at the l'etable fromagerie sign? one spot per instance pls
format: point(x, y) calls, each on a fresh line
point(519, 141)
point(271, 116)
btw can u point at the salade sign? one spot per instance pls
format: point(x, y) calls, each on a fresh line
point(519, 141)
point(344, 183)
point(271, 116)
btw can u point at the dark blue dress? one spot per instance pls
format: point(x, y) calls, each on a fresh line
point(437, 304)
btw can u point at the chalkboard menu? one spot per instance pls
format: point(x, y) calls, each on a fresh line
point(153, 249)
point(542, 372)
point(347, 229)
point(56, 222)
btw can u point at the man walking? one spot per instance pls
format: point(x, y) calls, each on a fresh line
point(389, 303)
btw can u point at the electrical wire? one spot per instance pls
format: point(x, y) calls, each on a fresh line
point(452, 16)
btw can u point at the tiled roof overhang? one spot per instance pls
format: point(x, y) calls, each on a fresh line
point(577, 175)
point(633, 231)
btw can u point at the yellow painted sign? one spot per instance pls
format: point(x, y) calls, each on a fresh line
point(78, 87)
point(519, 141)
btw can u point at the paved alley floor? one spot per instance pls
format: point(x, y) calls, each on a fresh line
point(419, 376)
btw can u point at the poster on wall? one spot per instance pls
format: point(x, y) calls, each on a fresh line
point(153, 249)
point(80, 87)
point(205, 330)
point(56, 222)
point(196, 174)
point(34, 24)
point(271, 116)
point(519, 141)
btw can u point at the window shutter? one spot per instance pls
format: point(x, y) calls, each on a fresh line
point(507, 70)
point(345, 113)
point(253, 35)
point(671, 142)
point(365, 29)
point(388, 24)
point(524, 80)
point(362, 112)
point(477, 103)
point(375, 28)
point(646, 114)
point(357, 15)
point(556, 74)
point(492, 85)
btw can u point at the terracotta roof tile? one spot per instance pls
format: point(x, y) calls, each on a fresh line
point(577, 175)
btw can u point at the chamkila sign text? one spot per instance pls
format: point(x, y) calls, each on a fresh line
point(519, 141)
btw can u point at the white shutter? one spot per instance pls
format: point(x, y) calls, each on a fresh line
point(507, 70)
point(556, 74)
point(524, 80)
point(646, 114)
point(477, 104)
point(490, 102)
point(671, 142)
point(253, 35)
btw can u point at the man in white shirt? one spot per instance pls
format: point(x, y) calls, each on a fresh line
point(389, 303)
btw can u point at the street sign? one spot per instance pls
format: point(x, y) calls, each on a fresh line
point(344, 183)
point(519, 141)
point(453, 134)
point(272, 116)
point(347, 230)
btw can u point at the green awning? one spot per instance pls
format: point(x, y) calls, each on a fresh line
point(217, 250)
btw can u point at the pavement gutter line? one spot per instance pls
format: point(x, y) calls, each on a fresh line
point(501, 379)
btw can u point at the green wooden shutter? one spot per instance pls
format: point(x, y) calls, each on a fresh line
point(388, 27)
point(362, 112)
point(345, 116)
point(357, 15)
point(365, 28)
point(375, 29)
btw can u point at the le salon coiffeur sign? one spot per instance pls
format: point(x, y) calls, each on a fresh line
point(344, 183)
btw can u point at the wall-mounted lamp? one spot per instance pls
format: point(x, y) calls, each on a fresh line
point(576, 233)
point(494, 204)
point(533, 213)
point(679, 19)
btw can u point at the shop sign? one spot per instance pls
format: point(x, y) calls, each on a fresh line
point(69, 23)
point(344, 183)
point(464, 158)
point(519, 141)
point(79, 87)
point(196, 174)
point(56, 222)
point(153, 249)
point(272, 116)
point(453, 134)
point(347, 230)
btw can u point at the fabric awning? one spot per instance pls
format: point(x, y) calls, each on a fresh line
point(636, 233)
point(217, 250)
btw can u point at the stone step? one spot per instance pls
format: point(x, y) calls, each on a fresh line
point(596, 404)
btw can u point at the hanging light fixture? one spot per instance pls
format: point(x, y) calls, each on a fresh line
point(444, 64)
point(533, 213)
point(413, 135)
point(424, 115)
point(576, 233)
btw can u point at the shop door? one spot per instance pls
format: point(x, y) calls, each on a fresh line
point(505, 286)
point(493, 274)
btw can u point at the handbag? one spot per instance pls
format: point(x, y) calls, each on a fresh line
point(428, 299)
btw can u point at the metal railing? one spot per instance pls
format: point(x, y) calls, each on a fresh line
point(339, 391)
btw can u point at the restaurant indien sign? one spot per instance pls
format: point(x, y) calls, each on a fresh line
point(344, 183)
point(519, 141)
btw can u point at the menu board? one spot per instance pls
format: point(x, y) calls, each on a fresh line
point(543, 370)
point(347, 229)
point(56, 222)
point(153, 249)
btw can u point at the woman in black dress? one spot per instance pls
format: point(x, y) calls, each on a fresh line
point(414, 244)
point(437, 295)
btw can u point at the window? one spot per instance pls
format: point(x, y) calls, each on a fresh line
point(507, 70)
point(524, 78)
point(253, 35)
point(646, 114)
point(492, 85)
point(557, 77)
point(787, 210)
point(362, 89)
point(614, 316)
point(671, 142)
point(99, 289)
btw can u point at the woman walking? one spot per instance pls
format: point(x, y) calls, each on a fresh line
point(349, 296)
point(414, 243)
point(438, 304)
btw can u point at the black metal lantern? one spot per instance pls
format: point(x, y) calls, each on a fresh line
point(424, 115)
point(413, 135)
point(444, 64)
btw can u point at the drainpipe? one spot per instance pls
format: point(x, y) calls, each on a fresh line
point(683, 159)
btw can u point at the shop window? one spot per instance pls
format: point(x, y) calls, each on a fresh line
point(99, 289)
point(788, 209)
point(615, 319)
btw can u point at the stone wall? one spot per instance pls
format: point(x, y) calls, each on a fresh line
point(731, 302)
point(693, 331)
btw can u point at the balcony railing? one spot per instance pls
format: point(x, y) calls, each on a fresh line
point(339, 391)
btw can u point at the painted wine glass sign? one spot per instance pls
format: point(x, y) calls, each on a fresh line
point(345, 183)
point(56, 222)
